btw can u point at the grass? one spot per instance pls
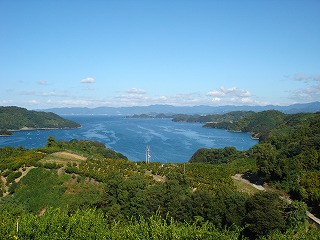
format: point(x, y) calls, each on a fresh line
point(63, 158)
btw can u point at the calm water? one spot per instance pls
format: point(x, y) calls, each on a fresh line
point(169, 141)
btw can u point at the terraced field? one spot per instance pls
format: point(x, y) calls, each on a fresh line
point(63, 158)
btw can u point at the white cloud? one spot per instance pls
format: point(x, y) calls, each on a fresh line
point(248, 100)
point(136, 97)
point(43, 94)
point(229, 92)
point(216, 99)
point(216, 93)
point(139, 97)
point(6, 102)
point(33, 102)
point(28, 92)
point(42, 82)
point(136, 91)
point(66, 103)
point(88, 80)
point(76, 102)
point(308, 94)
point(245, 93)
point(53, 94)
point(133, 97)
point(303, 77)
point(161, 98)
point(230, 96)
point(233, 96)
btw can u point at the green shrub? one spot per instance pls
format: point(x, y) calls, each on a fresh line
point(12, 176)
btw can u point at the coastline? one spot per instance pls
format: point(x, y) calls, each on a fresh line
point(31, 129)
point(253, 135)
point(5, 133)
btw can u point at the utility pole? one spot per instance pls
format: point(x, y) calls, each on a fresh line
point(148, 155)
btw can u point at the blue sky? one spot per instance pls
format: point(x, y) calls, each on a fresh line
point(79, 53)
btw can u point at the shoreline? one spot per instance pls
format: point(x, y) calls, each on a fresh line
point(32, 129)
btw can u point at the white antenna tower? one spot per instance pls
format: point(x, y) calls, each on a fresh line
point(148, 155)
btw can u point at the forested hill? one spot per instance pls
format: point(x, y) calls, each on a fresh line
point(15, 118)
point(287, 156)
point(262, 123)
point(214, 118)
point(81, 190)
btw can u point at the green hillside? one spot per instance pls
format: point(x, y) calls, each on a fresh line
point(287, 157)
point(82, 190)
point(259, 124)
point(15, 118)
point(214, 118)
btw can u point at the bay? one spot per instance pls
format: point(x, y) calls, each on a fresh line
point(169, 141)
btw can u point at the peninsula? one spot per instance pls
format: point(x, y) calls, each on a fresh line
point(16, 118)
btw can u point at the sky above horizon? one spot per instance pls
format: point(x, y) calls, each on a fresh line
point(136, 53)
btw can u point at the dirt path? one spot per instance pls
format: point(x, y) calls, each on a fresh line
point(5, 187)
point(24, 173)
point(4, 180)
point(241, 179)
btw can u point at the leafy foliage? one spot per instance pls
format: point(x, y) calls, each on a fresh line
point(290, 157)
point(264, 214)
point(14, 158)
point(93, 224)
point(214, 155)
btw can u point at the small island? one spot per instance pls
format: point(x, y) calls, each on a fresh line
point(16, 118)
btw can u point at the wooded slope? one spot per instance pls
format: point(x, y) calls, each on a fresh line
point(15, 118)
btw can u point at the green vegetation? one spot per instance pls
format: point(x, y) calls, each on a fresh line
point(82, 190)
point(213, 118)
point(15, 118)
point(259, 124)
point(92, 149)
point(93, 224)
point(288, 155)
point(215, 155)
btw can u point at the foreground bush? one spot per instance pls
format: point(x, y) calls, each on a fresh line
point(92, 224)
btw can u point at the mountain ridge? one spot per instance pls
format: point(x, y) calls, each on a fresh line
point(170, 109)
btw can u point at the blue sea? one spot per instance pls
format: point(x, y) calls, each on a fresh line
point(169, 141)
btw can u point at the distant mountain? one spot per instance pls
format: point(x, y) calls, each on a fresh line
point(169, 109)
point(15, 118)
